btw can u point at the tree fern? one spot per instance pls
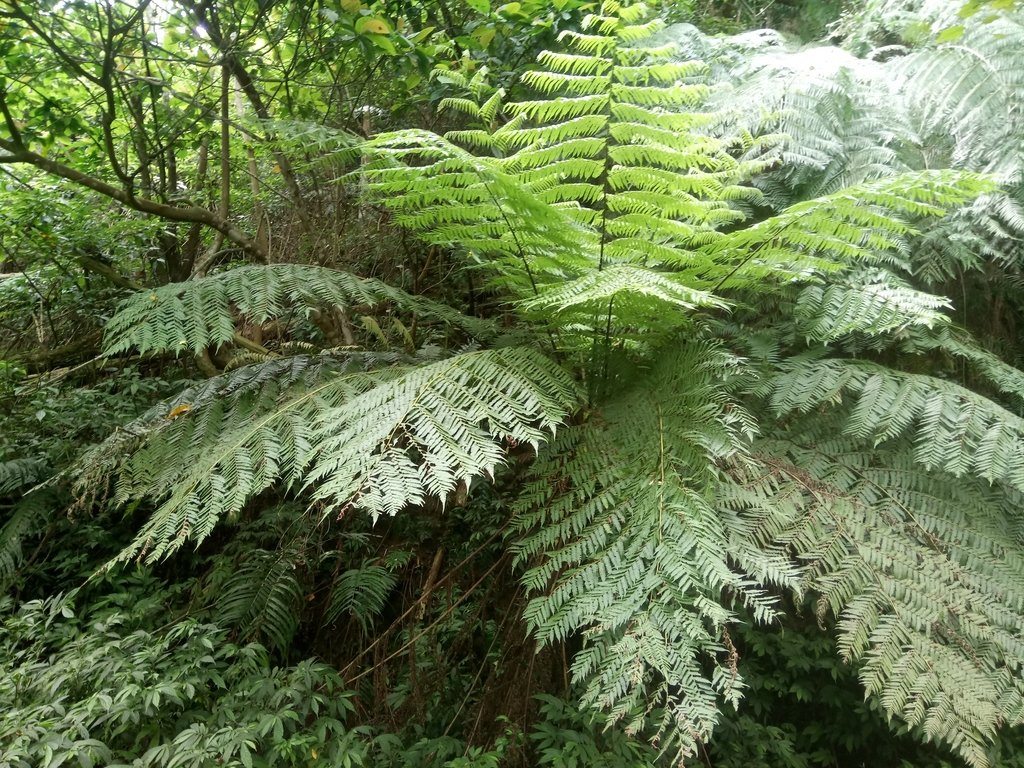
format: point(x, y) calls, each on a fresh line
point(839, 121)
point(620, 529)
point(609, 210)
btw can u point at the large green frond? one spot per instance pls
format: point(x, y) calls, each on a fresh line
point(922, 569)
point(204, 312)
point(27, 517)
point(872, 302)
point(420, 434)
point(963, 97)
point(624, 549)
point(263, 597)
point(864, 224)
point(954, 429)
point(361, 593)
point(374, 436)
point(15, 474)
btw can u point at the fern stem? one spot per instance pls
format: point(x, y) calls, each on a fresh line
point(607, 341)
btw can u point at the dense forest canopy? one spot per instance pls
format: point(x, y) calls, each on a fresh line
point(575, 383)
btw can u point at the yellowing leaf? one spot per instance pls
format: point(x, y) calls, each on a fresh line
point(351, 6)
point(372, 25)
point(178, 410)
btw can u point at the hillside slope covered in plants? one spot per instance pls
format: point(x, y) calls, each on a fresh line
point(544, 384)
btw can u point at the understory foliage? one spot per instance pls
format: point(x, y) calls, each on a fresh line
point(725, 395)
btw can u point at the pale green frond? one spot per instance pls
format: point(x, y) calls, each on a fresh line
point(991, 369)
point(204, 454)
point(655, 292)
point(592, 45)
point(624, 551)
point(922, 569)
point(193, 315)
point(465, 106)
point(954, 429)
point(872, 302)
point(865, 224)
point(962, 98)
point(988, 231)
point(662, 72)
point(636, 32)
point(562, 108)
point(473, 201)
point(421, 433)
point(206, 466)
point(549, 82)
point(575, 64)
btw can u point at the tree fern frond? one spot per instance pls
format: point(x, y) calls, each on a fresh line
point(989, 231)
point(211, 448)
point(375, 438)
point(648, 292)
point(28, 516)
point(575, 64)
point(955, 429)
point(963, 98)
point(200, 313)
point(249, 387)
point(420, 434)
point(15, 474)
point(624, 548)
point(923, 570)
point(866, 301)
point(841, 122)
point(990, 368)
point(864, 224)
point(460, 198)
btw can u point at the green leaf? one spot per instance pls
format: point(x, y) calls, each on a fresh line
point(382, 42)
point(950, 34)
